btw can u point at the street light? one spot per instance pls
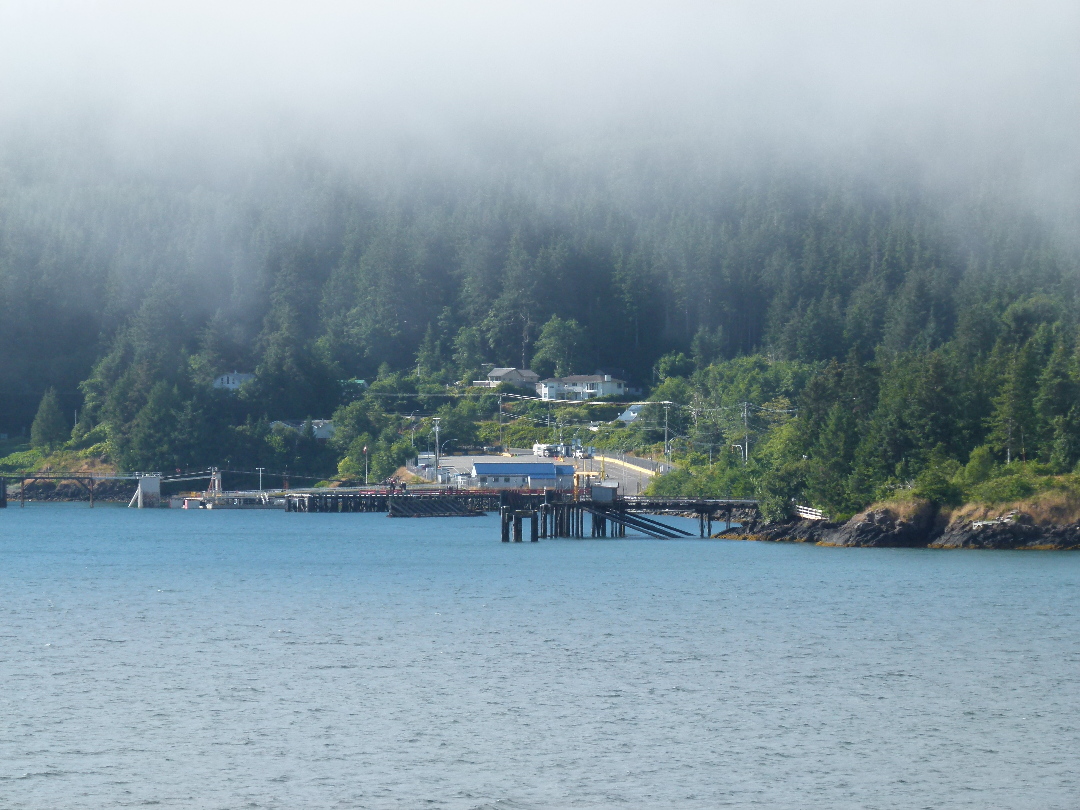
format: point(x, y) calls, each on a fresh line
point(365, 465)
point(260, 469)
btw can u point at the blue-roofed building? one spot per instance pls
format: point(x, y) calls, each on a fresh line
point(522, 475)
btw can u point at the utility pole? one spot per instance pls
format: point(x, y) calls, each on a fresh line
point(502, 440)
point(667, 447)
point(436, 421)
point(260, 469)
point(746, 432)
point(365, 465)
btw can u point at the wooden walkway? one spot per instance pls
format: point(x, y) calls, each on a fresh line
point(400, 504)
point(545, 513)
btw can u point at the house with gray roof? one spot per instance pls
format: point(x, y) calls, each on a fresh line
point(521, 377)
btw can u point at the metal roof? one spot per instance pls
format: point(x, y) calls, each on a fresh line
point(502, 372)
point(582, 378)
point(533, 469)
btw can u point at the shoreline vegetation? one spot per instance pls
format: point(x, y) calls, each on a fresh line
point(1044, 513)
point(1049, 521)
point(796, 339)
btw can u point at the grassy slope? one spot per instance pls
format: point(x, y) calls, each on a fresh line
point(86, 453)
point(1047, 500)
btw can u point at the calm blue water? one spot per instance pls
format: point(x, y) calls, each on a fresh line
point(262, 659)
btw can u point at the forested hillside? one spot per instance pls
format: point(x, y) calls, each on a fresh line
point(875, 324)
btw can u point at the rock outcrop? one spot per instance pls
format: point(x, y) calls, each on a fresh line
point(793, 531)
point(107, 490)
point(880, 528)
point(919, 525)
point(1012, 532)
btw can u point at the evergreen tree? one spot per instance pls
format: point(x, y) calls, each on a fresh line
point(149, 443)
point(1012, 422)
point(1054, 399)
point(707, 346)
point(429, 359)
point(468, 355)
point(50, 428)
point(558, 348)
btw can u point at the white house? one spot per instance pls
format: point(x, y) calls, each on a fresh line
point(580, 387)
point(521, 377)
point(630, 414)
point(322, 428)
point(232, 380)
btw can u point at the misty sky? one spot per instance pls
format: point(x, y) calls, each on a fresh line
point(953, 82)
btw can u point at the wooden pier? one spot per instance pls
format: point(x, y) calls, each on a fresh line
point(564, 515)
point(546, 513)
point(440, 503)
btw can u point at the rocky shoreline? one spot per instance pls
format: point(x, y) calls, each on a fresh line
point(106, 491)
point(923, 527)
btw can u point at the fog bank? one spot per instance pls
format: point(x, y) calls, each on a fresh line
point(946, 82)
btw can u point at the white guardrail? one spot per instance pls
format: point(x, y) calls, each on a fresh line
point(809, 513)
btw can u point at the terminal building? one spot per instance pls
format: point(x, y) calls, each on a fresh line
point(522, 475)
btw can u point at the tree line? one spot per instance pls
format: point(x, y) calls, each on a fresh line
point(878, 329)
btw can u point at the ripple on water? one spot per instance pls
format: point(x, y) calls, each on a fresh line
point(266, 660)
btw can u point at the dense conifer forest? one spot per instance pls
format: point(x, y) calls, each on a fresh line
point(868, 330)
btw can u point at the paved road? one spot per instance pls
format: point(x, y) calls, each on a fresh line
point(632, 480)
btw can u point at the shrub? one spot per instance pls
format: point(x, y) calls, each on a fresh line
point(1004, 489)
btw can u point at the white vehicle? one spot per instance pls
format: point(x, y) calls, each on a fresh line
point(543, 450)
point(583, 452)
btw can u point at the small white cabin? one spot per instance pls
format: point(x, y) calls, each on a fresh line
point(232, 381)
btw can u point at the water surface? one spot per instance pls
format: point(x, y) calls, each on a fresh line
point(269, 660)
